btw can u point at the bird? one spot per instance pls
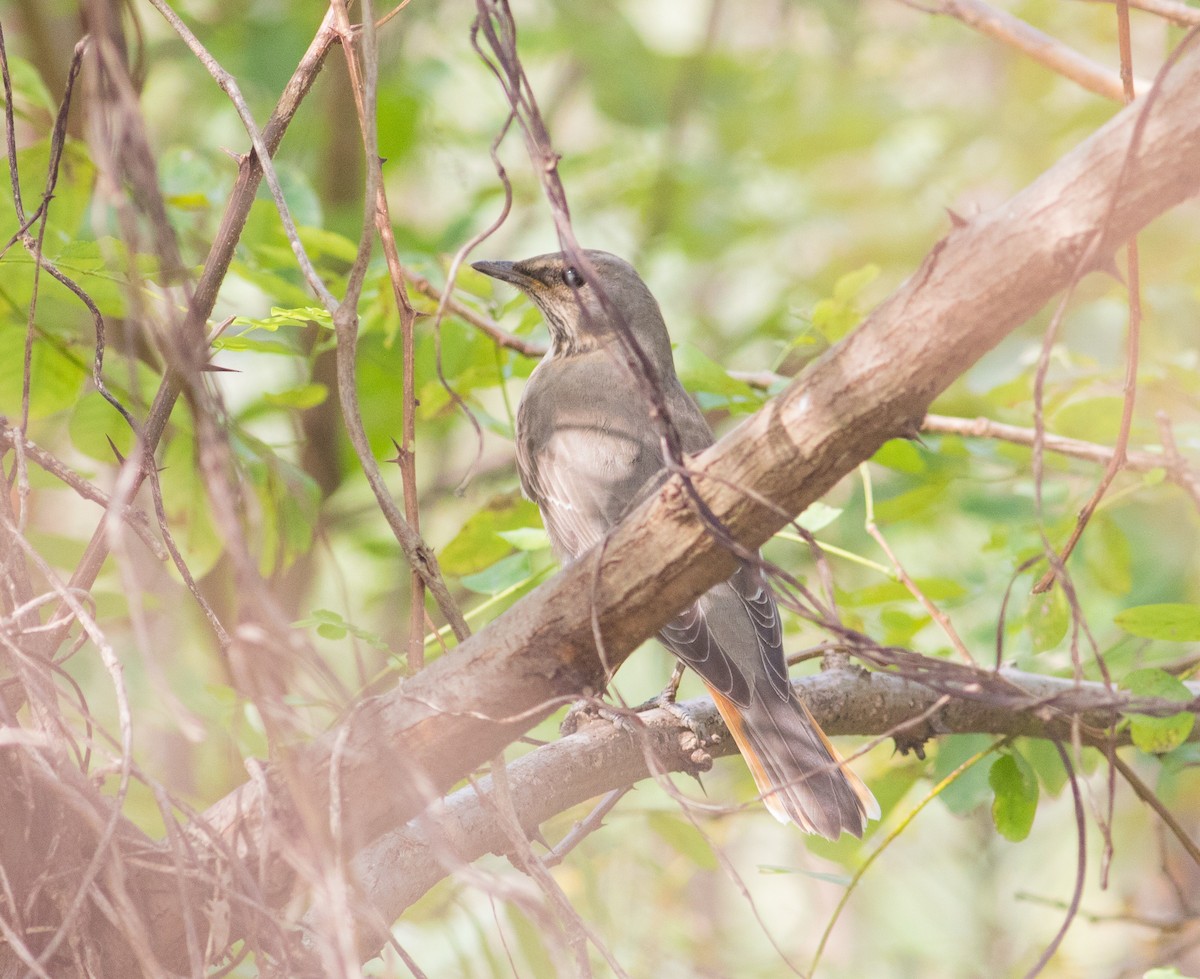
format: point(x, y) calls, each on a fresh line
point(588, 449)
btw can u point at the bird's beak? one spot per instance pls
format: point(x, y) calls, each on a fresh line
point(506, 272)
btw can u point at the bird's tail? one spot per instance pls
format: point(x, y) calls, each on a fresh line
point(797, 770)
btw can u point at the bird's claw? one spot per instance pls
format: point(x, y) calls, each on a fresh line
point(584, 712)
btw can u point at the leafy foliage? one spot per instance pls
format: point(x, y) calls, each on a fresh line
point(773, 173)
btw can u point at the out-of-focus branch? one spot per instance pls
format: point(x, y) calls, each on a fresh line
point(464, 312)
point(1041, 47)
point(1177, 13)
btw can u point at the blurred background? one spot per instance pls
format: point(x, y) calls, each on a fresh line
point(773, 168)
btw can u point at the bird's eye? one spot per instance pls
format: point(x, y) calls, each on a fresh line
point(572, 277)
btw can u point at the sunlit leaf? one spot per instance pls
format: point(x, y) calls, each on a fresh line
point(505, 573)
point(1156, 735)
point(1016, 796)
point(1173, 622)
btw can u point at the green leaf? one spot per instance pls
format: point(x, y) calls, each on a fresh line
point(970, 789)
point(1016, 796)
point(331, 625)
point(93, 422)
point(1166, 973)
point(478, 545)
point(526, 538)
point(838, 315)
point(319, 242)
point(701, 375)
point(1047, 617)
point(1170, 621)
point(505, 573)
point(305, 396)
point(818, 516)
point(683, 838)
point(1109, 555)
point(55, 379)
point(29, 90)
point(912, 503)
point(1090, 419)
point(902, 456)
point(289, 316)
point(1157, 735)
point(842, 880)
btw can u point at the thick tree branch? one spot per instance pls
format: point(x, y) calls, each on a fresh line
point(401, 866)
point(396, 752)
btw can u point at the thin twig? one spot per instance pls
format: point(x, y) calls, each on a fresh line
point(228, 84)
point(1177, 13)
point(1041, 47)
point(420, 556)
point(1132, 336)
point(585, 827)
point(1080, 865)
point(935, 613)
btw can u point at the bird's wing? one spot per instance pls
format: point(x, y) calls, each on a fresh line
point(570, 478)
point(586, 449)
point(731, 636)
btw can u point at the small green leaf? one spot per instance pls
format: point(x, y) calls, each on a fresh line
point(1157, 735)
point(970, 789)
point(305, 396)
point(1016, 796)
point(704, 376)
point(29, 88)
point(683, 838)
point(1170, 621)
point(902, 456)
point(818, 516)
point(477, 544)
point(910, 504)
point(330, 625)
point(505, 573)
point(838, 315)
point(526, 538)
point(289, 316)
point(1166, 973)
point(1047, 617)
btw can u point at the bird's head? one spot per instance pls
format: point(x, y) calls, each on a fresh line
point(585, 309)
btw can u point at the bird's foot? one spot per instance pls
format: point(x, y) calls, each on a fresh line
point(585, 712)
point(665, 700)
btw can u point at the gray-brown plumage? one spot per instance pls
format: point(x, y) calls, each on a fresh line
point(587, 449)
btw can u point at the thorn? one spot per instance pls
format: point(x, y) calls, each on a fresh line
point(401, 454)
point(535, 834)
point(117, 452)
point(912, 431)
point(217, 369)
point(699, 782)
point(956, 219)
